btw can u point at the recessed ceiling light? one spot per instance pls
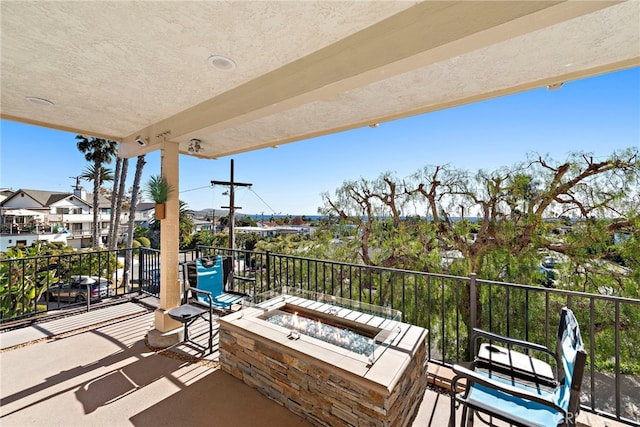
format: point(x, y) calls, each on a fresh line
point(39, 101)
point(222, 63)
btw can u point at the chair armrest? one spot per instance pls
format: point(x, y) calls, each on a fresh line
point(240, 294)
point(247, 280)
point(480, 333)
point(198, 291)
point(473, 377)
point(207, 294)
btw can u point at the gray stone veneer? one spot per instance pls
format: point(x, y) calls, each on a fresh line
point(324, 394)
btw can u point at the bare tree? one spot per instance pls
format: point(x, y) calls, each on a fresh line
point(512, 204)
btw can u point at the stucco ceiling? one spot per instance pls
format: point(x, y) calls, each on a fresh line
point(123, 70)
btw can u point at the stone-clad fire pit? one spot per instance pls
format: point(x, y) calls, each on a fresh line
point(332, 361)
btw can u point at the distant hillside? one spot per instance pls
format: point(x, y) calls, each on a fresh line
point(207, 212)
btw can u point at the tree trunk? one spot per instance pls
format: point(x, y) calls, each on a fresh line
point(114, 195)
point(128, 259)
point(96, 194)
point(120, 195)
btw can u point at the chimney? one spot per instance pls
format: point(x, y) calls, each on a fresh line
point(79, 191)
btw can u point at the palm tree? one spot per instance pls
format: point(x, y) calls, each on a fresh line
point(104, 174)
point(114, 192)
point(132, 217)
point(116, 201)
point(185, 218)
point(97, 151)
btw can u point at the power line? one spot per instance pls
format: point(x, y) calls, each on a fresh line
point(262, 200)
point(194, 189)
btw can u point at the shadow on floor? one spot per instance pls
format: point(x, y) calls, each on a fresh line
point(217, 399)
point(124, 380)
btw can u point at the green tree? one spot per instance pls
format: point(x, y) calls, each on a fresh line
point(512, 205)
point(246, 221)
point(202, 238)
point(98, 151)
point(186, 225)
point(140, 231)
point(144, 242)
point(104, 174)
point(22, 281)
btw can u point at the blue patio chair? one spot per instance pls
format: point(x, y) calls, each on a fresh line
point(211, 278)
point(518, 398)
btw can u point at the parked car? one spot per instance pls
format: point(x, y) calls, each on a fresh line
point(76, 289)
point(549, 262)
point(546, 277)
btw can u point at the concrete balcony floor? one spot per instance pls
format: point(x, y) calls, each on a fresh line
point(96, 369)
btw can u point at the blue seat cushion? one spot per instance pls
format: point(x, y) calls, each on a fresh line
point(515, 408)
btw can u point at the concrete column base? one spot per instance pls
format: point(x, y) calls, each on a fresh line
point(158, 339)
point(167, 331)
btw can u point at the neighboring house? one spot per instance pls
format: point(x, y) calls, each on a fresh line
point(145, 214)
point(27, 216)
point(273, 230)
point(202, 225)
point(4, 193)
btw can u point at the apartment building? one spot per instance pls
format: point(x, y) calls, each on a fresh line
point(27, 216)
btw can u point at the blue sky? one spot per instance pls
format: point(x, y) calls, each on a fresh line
point(597, 115)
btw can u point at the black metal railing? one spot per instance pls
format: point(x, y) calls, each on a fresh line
point(41, 285)
point(149, 269)
point(448, 306)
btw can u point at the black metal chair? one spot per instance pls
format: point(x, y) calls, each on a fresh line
point(192, 309)
point(513, 392)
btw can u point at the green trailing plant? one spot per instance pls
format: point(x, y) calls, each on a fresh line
point(158, 189)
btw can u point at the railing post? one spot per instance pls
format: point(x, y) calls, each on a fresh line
point(473, 296)
point(268, 270)
point(89, 295)
point(141, 257)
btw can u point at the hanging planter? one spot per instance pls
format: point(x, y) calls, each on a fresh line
point(159, 189)
point(160, 210)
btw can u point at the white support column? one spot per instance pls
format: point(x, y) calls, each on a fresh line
point(167, 331)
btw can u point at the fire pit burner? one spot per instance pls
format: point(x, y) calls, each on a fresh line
point(336, 335)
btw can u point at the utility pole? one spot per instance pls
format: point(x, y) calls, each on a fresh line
point(232, 208)
point(77, 178)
